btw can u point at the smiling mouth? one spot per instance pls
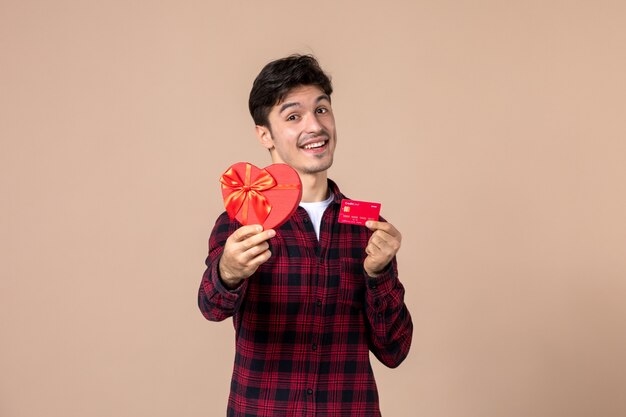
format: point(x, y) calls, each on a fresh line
point(315, 145)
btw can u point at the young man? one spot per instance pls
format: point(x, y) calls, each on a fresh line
point(312, 298)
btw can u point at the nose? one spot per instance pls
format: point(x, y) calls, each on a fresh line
point(313, 125)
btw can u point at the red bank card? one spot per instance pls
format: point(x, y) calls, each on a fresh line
point(358, 212)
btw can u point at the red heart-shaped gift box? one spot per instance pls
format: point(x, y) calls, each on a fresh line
point(267, 196)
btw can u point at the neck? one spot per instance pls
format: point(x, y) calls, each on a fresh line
point(314, 187)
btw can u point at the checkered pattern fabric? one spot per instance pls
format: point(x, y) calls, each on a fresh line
point(306, 321)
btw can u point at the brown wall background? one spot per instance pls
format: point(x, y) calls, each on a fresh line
point(493, 133)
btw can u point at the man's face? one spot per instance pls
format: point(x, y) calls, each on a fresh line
point(301, 130)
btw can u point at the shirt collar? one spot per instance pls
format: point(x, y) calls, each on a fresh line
point(335, 190)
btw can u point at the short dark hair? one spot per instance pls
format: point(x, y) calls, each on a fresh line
point(278, 77)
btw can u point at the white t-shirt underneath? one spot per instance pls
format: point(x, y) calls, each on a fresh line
point(316, 211)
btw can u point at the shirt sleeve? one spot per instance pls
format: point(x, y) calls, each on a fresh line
point(388, 317)
point(217, 302)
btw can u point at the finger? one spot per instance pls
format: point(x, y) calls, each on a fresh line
point(377, 241)
point(372, 250)
point(382, 226)
point(384, 239)
point(257, 239)
point(379, 246)
point(385, 244)
point(380, 252)
point(260, 259)
point(245, 232)
point(253, 252)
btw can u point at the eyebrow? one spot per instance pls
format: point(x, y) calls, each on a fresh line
point(285, 106)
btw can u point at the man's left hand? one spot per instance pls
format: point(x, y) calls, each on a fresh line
point(382, 247)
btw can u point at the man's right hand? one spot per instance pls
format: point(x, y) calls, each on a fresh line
point(244, 251)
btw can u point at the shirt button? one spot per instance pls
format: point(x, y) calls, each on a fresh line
point(319, 303)
point(309, 391)
point(305, 220)
point(314, 346)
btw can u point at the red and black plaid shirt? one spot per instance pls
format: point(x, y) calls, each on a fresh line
point(307, 319)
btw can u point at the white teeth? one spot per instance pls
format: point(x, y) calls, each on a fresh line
point(314, 145)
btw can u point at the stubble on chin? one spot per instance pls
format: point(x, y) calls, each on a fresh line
point(324, 166)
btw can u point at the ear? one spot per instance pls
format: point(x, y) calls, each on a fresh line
point(265, 136)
